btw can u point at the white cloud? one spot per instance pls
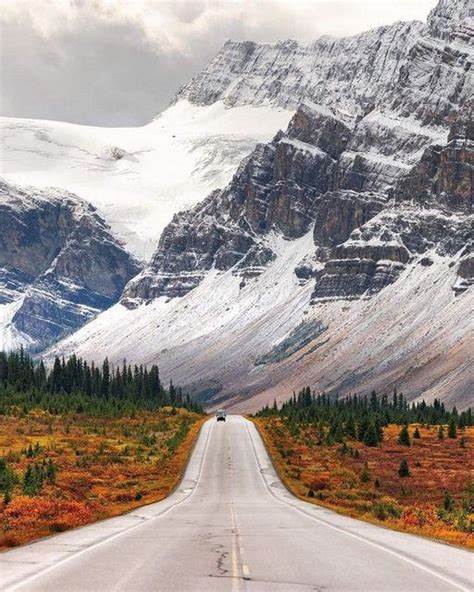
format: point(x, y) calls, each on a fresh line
point(104, 47)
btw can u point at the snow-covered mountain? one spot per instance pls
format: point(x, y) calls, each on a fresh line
point(390, 303)
point(388, 68)
point(339, 253)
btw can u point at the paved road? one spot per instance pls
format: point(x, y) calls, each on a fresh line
point(232, 526)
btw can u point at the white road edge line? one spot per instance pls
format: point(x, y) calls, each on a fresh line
point(235, 552)
point(32, 577)
point(342, 530)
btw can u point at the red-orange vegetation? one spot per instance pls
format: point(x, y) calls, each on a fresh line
point(104, 466)
point(364, 482)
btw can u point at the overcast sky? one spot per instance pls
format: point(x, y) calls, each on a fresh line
point(118, 62)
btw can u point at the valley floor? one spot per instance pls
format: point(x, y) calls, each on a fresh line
point(84, 468)
point(435, 500)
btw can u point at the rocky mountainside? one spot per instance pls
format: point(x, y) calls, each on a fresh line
point(135, 179)
point(354, 158)
point(59, 265)
point(339, 253)
point(304, 180)
point(388, 67)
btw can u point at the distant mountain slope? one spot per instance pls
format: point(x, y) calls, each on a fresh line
point(339, 254)
point(59, 265)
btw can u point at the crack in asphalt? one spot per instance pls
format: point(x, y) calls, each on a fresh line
point(222, 556)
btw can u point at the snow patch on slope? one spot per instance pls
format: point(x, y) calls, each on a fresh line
point(392, 340)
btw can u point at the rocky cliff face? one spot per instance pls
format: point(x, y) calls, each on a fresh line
point(275, 190)
point(369, 218)
point(452, 21)
point(444, 173)
point(330, 71)
point(59, 263)
point(428, 212)
point(412, 68)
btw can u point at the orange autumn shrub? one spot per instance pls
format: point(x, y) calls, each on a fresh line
point(24, 511)
point(419, 515)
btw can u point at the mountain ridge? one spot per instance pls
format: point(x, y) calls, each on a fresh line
point(242, 73)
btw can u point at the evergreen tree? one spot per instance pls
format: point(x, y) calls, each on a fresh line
point(55, 376)
point(7, 477)
point(363, 427)
point(440, 433)
point(468, 497)
point(404, 437)
point(351, 428)
point(452, 431)
point(29, 487)
point(416, 434)
point(105, 381)
point(336, 432)
point(379, 428)
point(51, 472)
point(371, 436)
point(320, 434)
point(404, 469)
point(365, 474)
point(449, 502)
point(373, 401)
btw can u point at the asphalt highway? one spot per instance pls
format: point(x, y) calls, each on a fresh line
point(232, 526)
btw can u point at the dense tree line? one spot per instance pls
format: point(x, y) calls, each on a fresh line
point(364, 417)
point(74, 385)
